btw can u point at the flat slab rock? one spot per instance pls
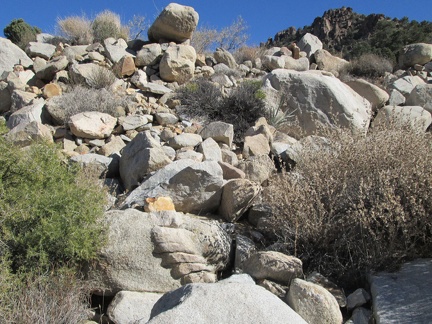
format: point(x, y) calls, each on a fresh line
point(404, 296)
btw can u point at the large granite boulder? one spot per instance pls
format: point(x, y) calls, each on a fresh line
point(419, 53)
point(194, 187)
point(414, 117)
point(233, 300)
point(403, 296)
point(310, 44)
point(175, 23)
point(372, 93)
point(327, 62)
point(317, 100)
point(421, 95)
point(10, 55)
point(36, 49)
point(178, 64)
point(313, 303)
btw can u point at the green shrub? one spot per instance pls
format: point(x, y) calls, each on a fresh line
point(77, 29)
point(242, 106)
point(364, 204)
point(21, 33)
point(107, 24)
point(49, 210)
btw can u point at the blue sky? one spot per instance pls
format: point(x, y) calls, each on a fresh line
point(264, 18)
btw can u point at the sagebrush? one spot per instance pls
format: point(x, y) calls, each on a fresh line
point(360, 204)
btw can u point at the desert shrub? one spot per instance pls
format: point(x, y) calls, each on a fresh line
point(40, 299)
point(363, 203)
point(242, 106)
point(247, 53)
point(77, 29)
point(370, 66)
point(21, 33)
point(108, 24)
point(49, 210)
point(80, 99)
point(100, 78)
point(206, 39)
point(137, 26)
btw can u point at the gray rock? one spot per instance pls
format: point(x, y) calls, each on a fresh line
point(233, 300)
point(149, 54)
point(237, 197)
point(273, 266)
point(128, 307)
point(178, 64)
point(140, 157)
point(403, 296)
point(318, 100)
point(21, 99)
point(361, 315)
point(375, 95)
point(185, 140)
point(100, 164)
point(175, 23)
point(256, 145)
point(257, 168)
point(301, 64)
point(115, 49)
point(165, 119)
point(86, 73)
point(396, 98)
point(154, 88)
point(36, 49)
point(420, 53)
point(27, 114)
point(310, 44)
point(25, 134)
point(231, 172)
point(189, 154)
point(10, 55)
point(132, 122)
point(5, 97)
point(313, 303)
point(74, 52)
point(223, 56)
point(273, 62)
point(92, 124)
point(210, 150)
point(406, 84)
point(357, 298)
point(48, 72)
point(414, 117)
point(194, 187)
point(126, 261)
point(327, 62)
point(115, 145)
point(421, 95)
point(244, 248)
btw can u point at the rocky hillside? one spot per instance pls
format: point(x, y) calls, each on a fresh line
point(351, 34)
point(232, 184)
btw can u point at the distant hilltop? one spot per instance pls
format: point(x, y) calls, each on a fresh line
point(351, 34)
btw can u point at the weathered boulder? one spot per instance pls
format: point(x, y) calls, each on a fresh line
point(310, 44)
point(273, 266)
point(115, 145)
point(175, 23)
point(26, 134)
point(375, 95)
point(231, 172)
point(103, 166)
point(328, 62)
point(420, 53)
point(194, 187)
point(421, 95)
point(20, 99)
point(132, 122)
point(210, 150)
point(140, 157)
point(131, 306)
point(115, 49)
point(27, 114)
point(185, 140)
point(257, 168)
point(75, 53)
point(237, 197)
point(149, 54)
point(124, 67)
point(390, 305)
point(256, 145)
point(301, 64)
point(48, 72)
point(317, 100)
point(414, 117)
point(178, 64)
point(233, 300)
point(406, 84)
point(396, 98)
point(92, 124)
point(36, 49)
point(271, 62)
point(10, 55)
point(165, 119)
point(313, 303)
point(126, 261)
point(221, 55)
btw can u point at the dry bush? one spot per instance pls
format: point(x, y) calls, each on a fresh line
point(108, 24)
point(60, 299)
point(81, 99)
point(362, 204)
point(370, 66)
point(77, 29)
point(137, 26)
point(203, 39)
point(100, 78)
point(246, 53)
